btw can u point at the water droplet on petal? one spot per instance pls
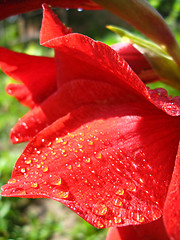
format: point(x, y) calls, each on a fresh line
point(62, 194)
point(99, 224)
point(23, 170)
point(38, 166)
point(34, 185)
point(131, 187)
point(19, 191)
point(118, 219)
point(117, 202)
point(58, 140)
point(45, 169)
point(99, 155)
point(12, 180)
point(87, 160)
point(69, 166)
point(139, 217)
point(141, 180)
point(90, 143)
point(28, 161)
point(16, 139)
point(57, 182)
point(120, 191)
point(100, 209)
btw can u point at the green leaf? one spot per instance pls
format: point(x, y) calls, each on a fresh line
point(160, 60)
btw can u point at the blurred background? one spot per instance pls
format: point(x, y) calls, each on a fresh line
point(34, 219)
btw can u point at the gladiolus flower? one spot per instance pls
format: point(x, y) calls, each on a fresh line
point(40, 90)
point(109, 151)
point(12, 7)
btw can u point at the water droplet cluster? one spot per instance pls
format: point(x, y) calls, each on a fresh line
point(92, 174)
point(167, 103)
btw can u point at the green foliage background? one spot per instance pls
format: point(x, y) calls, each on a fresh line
point(17, 220)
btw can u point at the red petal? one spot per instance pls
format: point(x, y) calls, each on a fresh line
point(111, 165)
point(172, 204)
point(137, 61)
point(159, 97)
point(37, 73)
point(21, 93)
point(154, 230)
point(79, 56)
point(131, 55)
point(12, 7)
point(52, 27)
point(70, 96)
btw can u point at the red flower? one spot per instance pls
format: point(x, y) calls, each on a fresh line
point(12, 7)
point(109, 151)
point(153, 230)
point(39, 91)
point(137, 61)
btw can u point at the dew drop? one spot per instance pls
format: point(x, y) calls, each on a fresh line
point(156, 213)
point(28, 161)
point(99, 155)
point(57, 182)
point(87, 160)
point(23, 170)
point(90, 143)
point(58, 140)
point(69, 167)
point(120, 191)
point(117, 202)
point(19, 191)
point(141, 180)
point(118, 219)
point(139, 218)
point(100, 209)
point(80, 146)
point(78, 165)
point(62, 194)
point(24, 125)
point(99, 224)
point(131, 187)
point(12, 180)
point(34, 185)
point(16, 139)
point(38, 166)
point(45, 169)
